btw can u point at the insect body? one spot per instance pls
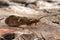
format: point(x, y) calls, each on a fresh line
point(15, 21)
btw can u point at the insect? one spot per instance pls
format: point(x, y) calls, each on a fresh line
point(15, 21)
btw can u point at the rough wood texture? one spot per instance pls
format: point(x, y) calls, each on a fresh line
point(39, 21)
